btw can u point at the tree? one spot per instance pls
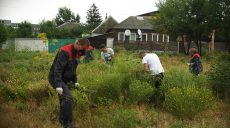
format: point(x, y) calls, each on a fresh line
point(3, 34)
point(184, 17)
point(48, 27)
point(93, 17)
point(66, 15)
point(24, 30)
point(10, 32)
point(223, 19)
point(81, 29)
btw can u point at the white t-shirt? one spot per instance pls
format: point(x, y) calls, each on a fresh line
point(153, 62)
point(108, 55)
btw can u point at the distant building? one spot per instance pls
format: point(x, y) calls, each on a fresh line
point(105, 26)
point(35, 27)
point(68, 26)
point(141, 33)
point(6, 22)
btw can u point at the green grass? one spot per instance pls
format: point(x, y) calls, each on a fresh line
point(117, 95)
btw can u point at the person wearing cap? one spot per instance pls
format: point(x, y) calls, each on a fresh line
point(152, 65)
point(63, 72)
point(107, 54)
point(195, 65)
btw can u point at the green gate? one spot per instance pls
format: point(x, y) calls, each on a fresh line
point(55, 44)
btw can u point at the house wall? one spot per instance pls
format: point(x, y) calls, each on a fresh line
point(96, 41)
point(139, 44)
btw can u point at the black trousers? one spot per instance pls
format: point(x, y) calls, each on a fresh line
point(159, 97)
point(66, 105)
point(157, 80)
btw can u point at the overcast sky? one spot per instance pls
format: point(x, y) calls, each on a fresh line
point(36, 10)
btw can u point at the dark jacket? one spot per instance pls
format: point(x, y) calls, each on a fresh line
point(196, 66)
point(63, 69)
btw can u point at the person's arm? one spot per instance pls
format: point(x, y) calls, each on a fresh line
point(102, 58)
point(74, 78)
point(146, 67)
point(112, 55)
point(59, 66)
point(145, 63)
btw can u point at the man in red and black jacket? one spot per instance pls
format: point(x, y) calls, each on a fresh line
point(63, 71)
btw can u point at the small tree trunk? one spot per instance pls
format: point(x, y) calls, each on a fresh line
point(181, 45)
point(227, 43)
point(197, 45)
point(213, 41)
point(188, 45)
point(229, 48)
point(200, 44)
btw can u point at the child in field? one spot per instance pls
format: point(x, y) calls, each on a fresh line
point(195, 65)
point(107, 54)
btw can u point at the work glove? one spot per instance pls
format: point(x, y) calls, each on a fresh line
point(76, 85)
point(59, 90)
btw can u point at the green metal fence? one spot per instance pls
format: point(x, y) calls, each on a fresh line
point(55, 44)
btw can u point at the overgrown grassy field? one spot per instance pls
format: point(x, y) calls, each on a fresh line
point(111, 96)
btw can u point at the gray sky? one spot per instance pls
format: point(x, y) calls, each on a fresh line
point(36, 10)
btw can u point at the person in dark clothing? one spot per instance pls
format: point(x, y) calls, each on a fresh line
point(88, 54)
point(195, 65)
point(63, 71)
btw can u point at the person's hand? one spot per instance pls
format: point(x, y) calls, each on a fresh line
point(188, 64)
point(59, 90)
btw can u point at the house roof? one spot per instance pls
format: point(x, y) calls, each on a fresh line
point(135, 22)
point(68, 25)
point(105, 25)
point(149, 13)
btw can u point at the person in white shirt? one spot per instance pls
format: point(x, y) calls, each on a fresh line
point(153, 65)
point(107, 54)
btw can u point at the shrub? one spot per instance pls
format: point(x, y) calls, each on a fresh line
point(81, 100)
point(119, 118)
point(4, 73)
point(178, 124)
point(110, 87)
point(219, 77)
point(51, 109)
point(6, 55)
point(179, 77)
point(187, 101)
point(40, 91)
point(140, 91)
point(21, 106)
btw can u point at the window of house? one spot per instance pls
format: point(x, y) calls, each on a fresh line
point(160, 38)
point(165, 38)
point(132, 37)
point(144, 37)
point(154, 37)
point(121, 36)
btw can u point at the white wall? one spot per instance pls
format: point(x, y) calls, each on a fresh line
point(96, 34)
point(30, 44)
point(109, 42)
